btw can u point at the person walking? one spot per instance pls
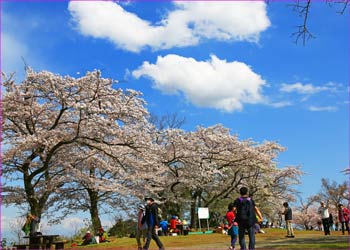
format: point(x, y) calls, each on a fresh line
point(343, 216)
point(152, 220)
point(323, 211)
point(141, 228)
point(288, 217)
point(246, 212)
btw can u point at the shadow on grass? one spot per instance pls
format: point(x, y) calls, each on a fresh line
point(300, 242)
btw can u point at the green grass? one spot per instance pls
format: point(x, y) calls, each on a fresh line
point(272, 239)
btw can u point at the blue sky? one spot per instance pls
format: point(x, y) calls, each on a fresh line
point(233, 63)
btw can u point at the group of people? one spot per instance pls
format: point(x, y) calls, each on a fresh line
point(327, 218)
point(88, 238)
point(242, 216)
point(148, 222)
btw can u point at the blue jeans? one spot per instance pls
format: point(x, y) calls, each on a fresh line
point(233, 240)
point(251, 234)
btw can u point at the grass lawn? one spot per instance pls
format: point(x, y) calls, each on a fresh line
point(272, 239)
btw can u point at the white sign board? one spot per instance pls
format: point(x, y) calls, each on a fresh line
point(203, 213)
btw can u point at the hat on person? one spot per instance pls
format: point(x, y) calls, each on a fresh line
point(141, 207)
point(149, 198)
point(88, 232)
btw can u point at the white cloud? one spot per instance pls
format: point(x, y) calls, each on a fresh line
point(324, 108)
point(213, 83)
point(281, 104)
point(5, 223)
point(301, 88)
point(18, 43)
point(187, 25)
point(12, 52)
point(72, 223)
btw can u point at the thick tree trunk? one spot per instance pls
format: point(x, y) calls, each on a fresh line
point(93, 195)
point(171, 208)
point(195, 203)
point(193, 213)
point(36, 203)
point(95, 218)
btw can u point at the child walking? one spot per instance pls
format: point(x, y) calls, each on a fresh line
point(232, 226)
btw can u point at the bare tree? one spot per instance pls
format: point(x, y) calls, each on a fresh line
point(303, 9)
point(167, 121)
point(333, 192)
point(16, 229)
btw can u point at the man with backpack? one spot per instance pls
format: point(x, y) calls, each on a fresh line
point(152, 219)
point(246, 213)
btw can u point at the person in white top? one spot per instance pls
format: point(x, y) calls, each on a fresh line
point(323, 211)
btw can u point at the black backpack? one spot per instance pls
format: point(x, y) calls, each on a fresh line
point(246, 212)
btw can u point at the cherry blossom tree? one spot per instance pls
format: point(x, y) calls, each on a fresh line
point(306, 213)
point(79, 144)
point(209, 165)
point(48, 121)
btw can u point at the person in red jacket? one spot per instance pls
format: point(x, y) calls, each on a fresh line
point(232, 225)
point(344, 216)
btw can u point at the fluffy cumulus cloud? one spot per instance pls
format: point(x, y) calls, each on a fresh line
point(213, 83)
point(307, 89)
point(186, 25)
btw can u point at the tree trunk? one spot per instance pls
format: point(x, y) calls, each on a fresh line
point(172, 208)
point(195, 203)
point(193, 213)
point(95, 218)
point(36, 203)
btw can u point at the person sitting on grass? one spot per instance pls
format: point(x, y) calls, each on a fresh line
point(103, 236)
point(173, 223)
point(164, 225)
point(87, 238)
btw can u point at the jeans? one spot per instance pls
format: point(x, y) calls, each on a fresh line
point(151, 234)
point(325, 223)
point(233, 240)
point(251, 235)
point(345, 224)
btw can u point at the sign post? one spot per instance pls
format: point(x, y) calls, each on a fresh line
point(203, 213)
